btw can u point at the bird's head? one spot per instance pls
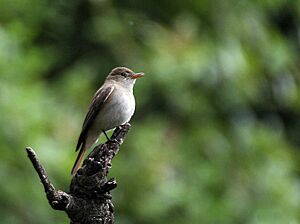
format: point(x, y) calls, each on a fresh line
point(124, 75)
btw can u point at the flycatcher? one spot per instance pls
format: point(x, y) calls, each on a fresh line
point(112, 105)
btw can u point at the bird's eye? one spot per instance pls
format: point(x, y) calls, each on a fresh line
point(123, 74)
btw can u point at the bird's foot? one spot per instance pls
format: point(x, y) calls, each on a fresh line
point(106, 135)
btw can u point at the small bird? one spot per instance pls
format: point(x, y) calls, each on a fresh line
point(112, 105)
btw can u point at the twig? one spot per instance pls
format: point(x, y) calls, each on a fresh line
point(57, 199)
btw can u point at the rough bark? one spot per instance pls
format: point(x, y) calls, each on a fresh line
point(88, 200)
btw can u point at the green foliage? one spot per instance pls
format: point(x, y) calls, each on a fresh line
point(215, 137)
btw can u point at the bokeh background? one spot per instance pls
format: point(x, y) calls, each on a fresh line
point(216, 134)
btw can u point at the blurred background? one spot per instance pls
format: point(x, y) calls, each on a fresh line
point(216, 133)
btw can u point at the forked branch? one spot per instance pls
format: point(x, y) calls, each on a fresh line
point(89, 198)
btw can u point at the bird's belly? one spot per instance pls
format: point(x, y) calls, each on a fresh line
point(116, 112)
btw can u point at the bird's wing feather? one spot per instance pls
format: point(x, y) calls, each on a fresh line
point(99, 98)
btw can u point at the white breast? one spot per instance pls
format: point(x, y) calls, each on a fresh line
point(117, 110)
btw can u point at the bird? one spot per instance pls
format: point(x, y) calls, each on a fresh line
point(112, 105)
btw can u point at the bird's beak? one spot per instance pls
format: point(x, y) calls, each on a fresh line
point(137, 75)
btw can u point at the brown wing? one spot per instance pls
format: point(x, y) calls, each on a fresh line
point(99, 98)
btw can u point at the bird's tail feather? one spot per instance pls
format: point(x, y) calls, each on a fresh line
point(78, 159)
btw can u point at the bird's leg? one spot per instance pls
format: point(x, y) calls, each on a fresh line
point(106, 135)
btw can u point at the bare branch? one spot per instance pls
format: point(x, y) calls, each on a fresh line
point(89, 199)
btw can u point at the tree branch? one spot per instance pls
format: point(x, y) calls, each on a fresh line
point(89, 199)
